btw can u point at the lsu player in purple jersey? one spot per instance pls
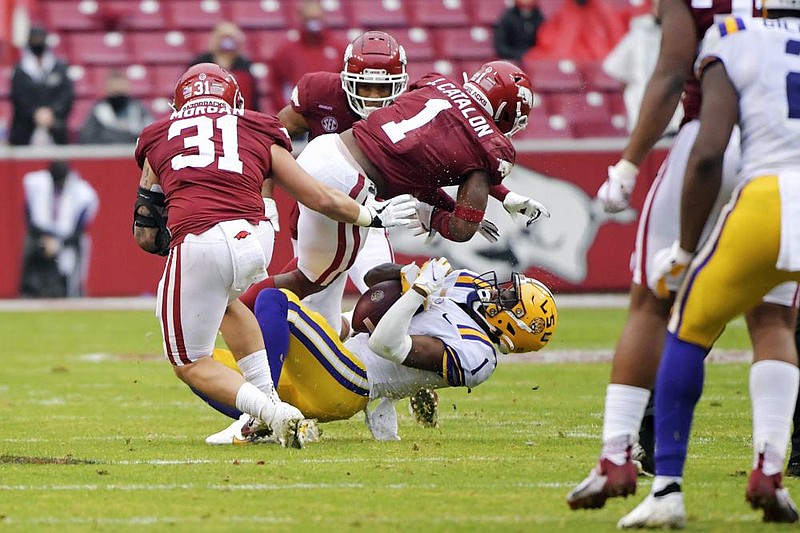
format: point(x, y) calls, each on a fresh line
point(199, 204)
point(753, 247)
point(436, 134)
point(453, 341)
point(638, 350)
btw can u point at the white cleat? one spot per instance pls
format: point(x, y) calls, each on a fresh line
point(291, 428)
point(246, 430)
point(657, 512)
point(424, 406)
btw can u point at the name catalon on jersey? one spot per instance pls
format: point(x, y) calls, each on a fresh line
point(475, 118)
point(196, 110)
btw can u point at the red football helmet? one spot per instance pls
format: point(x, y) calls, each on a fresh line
point(504, 91)
point(207, 80)
point(373, 57)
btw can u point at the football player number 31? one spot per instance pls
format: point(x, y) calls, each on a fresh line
point(396, 131)
point(206, 154)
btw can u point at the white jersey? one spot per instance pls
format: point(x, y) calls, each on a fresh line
point(762, 59)
point(469, 356)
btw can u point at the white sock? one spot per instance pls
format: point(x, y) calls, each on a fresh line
point(255, 369)
point(254, 402)
point(661, 482)
point(773, 391)
point(625, 406)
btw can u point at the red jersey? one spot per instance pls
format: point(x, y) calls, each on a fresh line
point(430, 137)
point(211, 161)
point(322, 102)
point(705, 13)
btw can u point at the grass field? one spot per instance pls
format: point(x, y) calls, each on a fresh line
point(97, 434)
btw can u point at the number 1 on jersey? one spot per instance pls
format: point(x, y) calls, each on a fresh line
point(396, 131)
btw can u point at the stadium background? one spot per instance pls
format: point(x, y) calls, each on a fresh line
point(576, 129)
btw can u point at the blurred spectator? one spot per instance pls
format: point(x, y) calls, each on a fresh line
point(41, 93)
point(59, 205)
point(515, 31)
point(225, 49)
point(315, 50)
point(632, 62)
point(118, 118)
point(581, 30)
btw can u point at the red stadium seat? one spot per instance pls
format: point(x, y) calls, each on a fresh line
point(487, 12)
point(6, 73)
point(99, 48)
point(164, 79)
point(257, 15)
point(159, 107)
point(194, 14)
point(417, 69)
point(370, 14)
point(162, 48)
point(473, 43)
point(83, 82)
point(336, 15)
point(554, 75)
point(543, 125)
point(588, 114)
point(598, 80)
point(70, 15)
point(80, 110)
point(439, 13)
point(267, 43)
point(146, 15)
point(261, 74)
point(6, 110)
point(418, 43)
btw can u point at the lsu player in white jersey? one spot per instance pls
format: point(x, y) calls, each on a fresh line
point(750, 73)
point(465, 321)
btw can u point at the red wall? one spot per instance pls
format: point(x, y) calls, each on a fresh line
point(119, 268)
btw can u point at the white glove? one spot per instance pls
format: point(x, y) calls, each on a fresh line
point(424, 212)
point(669, 268)
point(271, 212)
point(488, 230)
point(408, 275)
point(398, 211)
point(517, 205)
point(615, 193)
point(431, 276)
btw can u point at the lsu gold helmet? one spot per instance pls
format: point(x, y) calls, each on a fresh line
point(521, 313)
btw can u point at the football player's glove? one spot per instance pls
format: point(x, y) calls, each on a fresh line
point(397, 211)
point(615, 193)
point(518, 205)
point(669, 268)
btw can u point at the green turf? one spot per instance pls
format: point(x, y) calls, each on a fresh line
point(97, 434)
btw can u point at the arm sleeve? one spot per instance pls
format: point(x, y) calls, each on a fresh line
point(390, 339)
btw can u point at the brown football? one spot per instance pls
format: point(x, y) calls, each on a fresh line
point(374, 303)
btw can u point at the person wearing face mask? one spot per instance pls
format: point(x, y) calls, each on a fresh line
point(41, 93)
point(118, 118)
point(516, 29)
point(310, 48)
point(225, 49)
point(59, 206)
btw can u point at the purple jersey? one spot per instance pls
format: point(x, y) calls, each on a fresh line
point(322, 102)
point(431, 137)
point(705, 13)
point(211, 162)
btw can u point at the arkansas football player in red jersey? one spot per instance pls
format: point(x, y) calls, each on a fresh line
point(199, 203)
point(439, 133)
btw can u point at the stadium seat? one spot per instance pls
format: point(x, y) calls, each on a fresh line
point(83, 81)
point(487, 12)
point(80, 110)
point(70, 15)
point(598, 80)
point(554, 75)
point(99, 48)
point(370, 14)
point(261, 74)
point(161, 48)
point(136, 16)
point(159, 107)
point(258, 15)
point(6, 73)
point(336, 15)
point(164, 79)
point(588, 114)
point(266, 44)
point(6, 110)
point(194, 14)
point(542, 125)
point(473, 43)
point(439, 13)
point(417, 42)
point(417, 69)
